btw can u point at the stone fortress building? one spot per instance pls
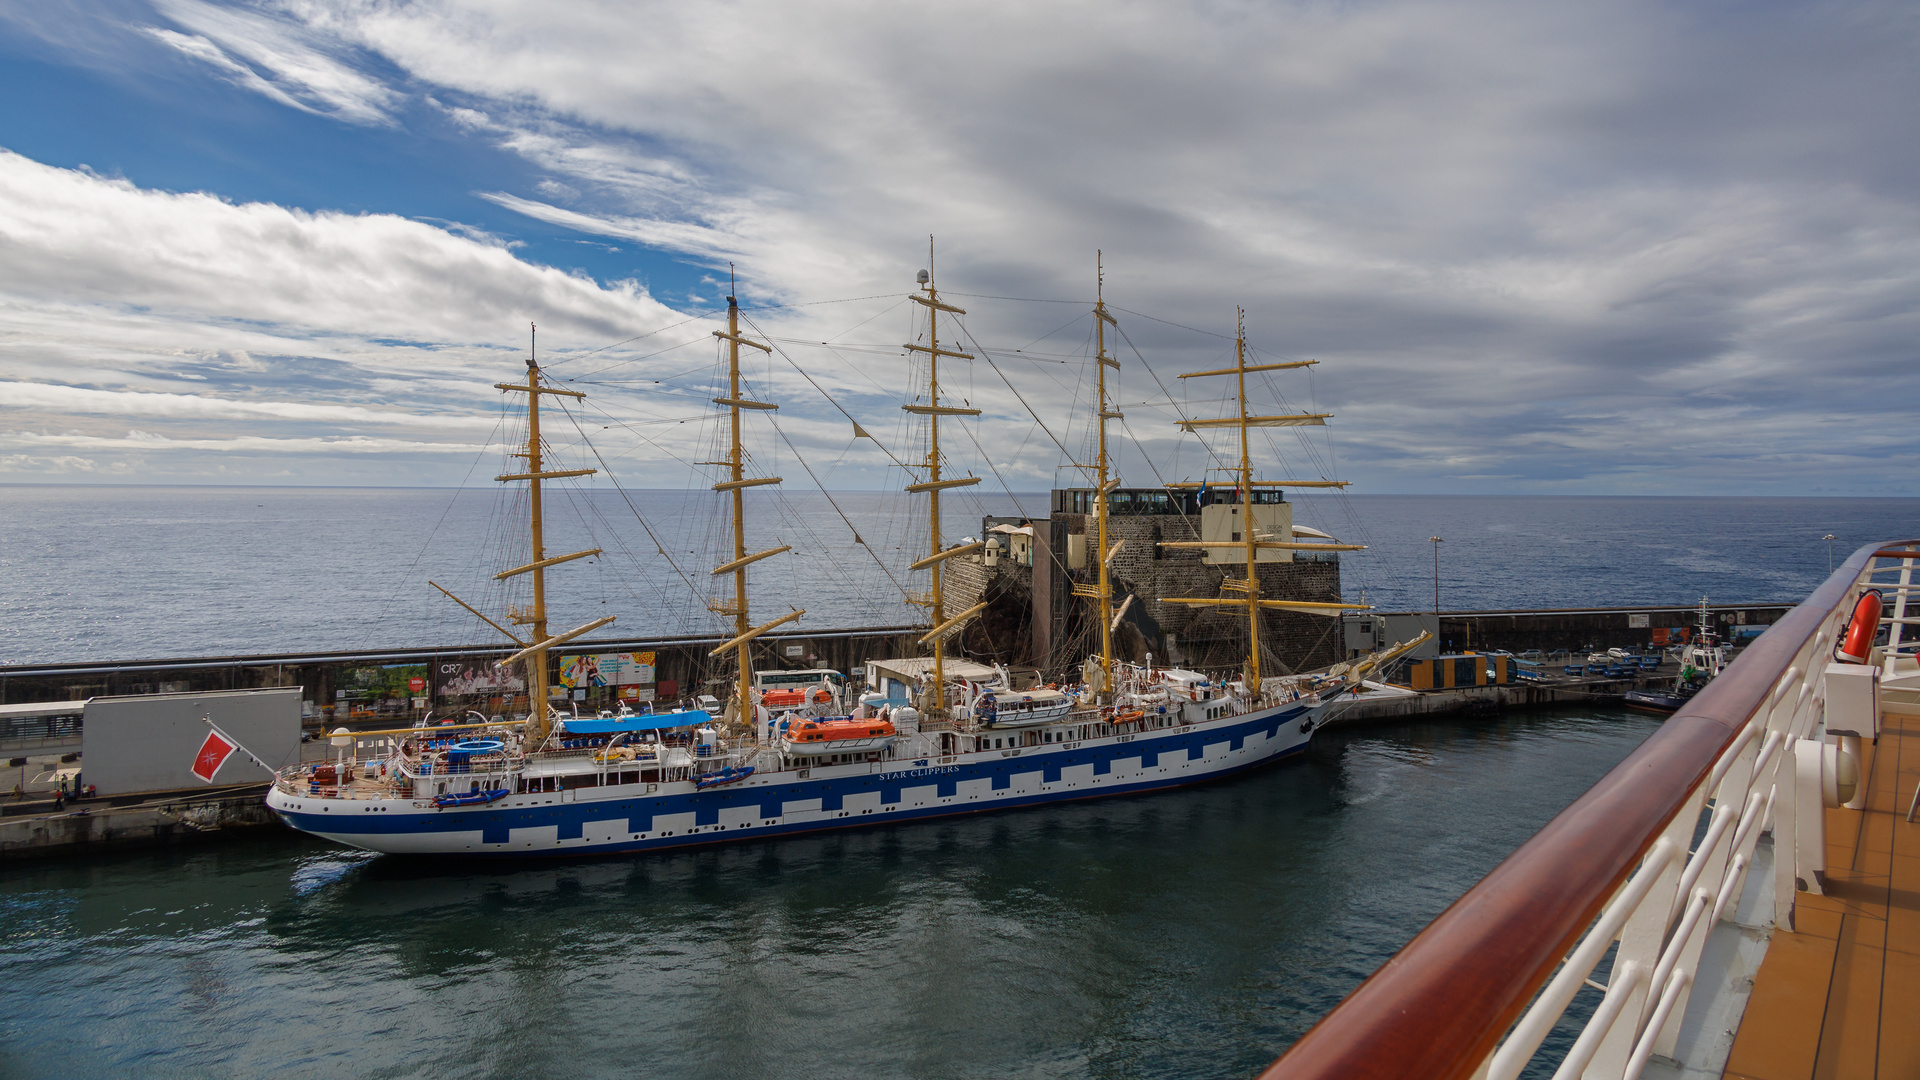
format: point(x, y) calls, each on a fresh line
point(1029, 567)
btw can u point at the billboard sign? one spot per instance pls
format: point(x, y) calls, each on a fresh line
point(460, 678)
point(585, 670)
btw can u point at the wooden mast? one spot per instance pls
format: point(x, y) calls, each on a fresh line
point(1249, 541)
point(934, 485)
point(537, 667)
point(735, 486)
point(1104, 588)
point(535, 652)
point(1246, 504)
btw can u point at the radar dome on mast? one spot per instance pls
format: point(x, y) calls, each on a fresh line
point(923, 277)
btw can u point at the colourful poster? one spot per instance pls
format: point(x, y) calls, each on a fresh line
point(607, 669)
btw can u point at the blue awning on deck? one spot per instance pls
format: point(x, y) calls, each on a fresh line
point(655, 722)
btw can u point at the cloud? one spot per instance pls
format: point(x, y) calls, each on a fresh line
point(56, 465)
point(1584, 247)
point(175, 406)
point(1612, 215)
point(149, 441)
point(71, 237)
point(260, 328)
point(283, 59)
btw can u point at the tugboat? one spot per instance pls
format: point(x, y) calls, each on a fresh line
point(1700, 661)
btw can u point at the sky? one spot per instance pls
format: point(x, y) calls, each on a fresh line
point(1621, 248)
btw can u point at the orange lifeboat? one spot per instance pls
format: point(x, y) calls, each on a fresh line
point(806, 738)
point(1866, 622)
point(784, 699)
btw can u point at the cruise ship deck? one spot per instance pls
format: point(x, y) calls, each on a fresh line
point(1739, 898)
point(1840, 997)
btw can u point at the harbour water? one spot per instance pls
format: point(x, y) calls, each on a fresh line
point(117, 573)
point(1186, 934)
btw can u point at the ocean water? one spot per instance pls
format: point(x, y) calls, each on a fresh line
point(1195, 933)
point(116, 573)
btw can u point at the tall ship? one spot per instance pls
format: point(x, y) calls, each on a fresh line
point(781, 760)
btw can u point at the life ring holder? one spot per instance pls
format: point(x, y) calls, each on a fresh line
point(1861, 629)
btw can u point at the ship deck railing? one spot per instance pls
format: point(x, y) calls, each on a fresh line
point(491, 766)
point(1716, 825)
point(359, 787)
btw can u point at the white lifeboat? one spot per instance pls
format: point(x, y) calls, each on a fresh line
point(1021, 708)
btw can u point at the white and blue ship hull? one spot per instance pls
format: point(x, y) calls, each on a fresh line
point(650, 817)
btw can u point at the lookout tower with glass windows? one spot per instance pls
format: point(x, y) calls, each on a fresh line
point(1224, 518)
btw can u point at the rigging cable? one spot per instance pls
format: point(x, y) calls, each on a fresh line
point(823, 393)
point(636, 337)
point(1178, 411)
point(988, 357)
point(387, 601)
point(657, 545)
point(811, 475)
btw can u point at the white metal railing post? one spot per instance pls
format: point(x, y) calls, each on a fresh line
point(1779, 716)
point(1707, 869)
point(1626, 982)
point(1525, 1038)
point(1897, 632)
point(1670, 993)
point(1643, 936)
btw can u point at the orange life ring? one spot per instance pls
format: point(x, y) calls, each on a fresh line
point(1866, 622)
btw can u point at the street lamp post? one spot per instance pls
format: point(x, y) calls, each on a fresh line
point(1435, 541)
point(1829, 538)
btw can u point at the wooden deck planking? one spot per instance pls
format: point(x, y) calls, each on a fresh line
point(1840, 999)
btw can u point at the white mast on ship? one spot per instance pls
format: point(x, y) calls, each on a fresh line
point(935, 600)
point(1251, 544)
point(535, 651)
point(736, 485)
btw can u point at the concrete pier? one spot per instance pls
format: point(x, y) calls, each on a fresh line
point(160, 820)
point(1475, 699)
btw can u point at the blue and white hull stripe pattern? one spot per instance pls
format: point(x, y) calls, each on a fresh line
point(650, 817)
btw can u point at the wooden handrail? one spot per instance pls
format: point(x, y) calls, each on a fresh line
point(1438, 1008)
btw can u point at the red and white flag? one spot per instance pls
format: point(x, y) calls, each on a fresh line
point(213, 754)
